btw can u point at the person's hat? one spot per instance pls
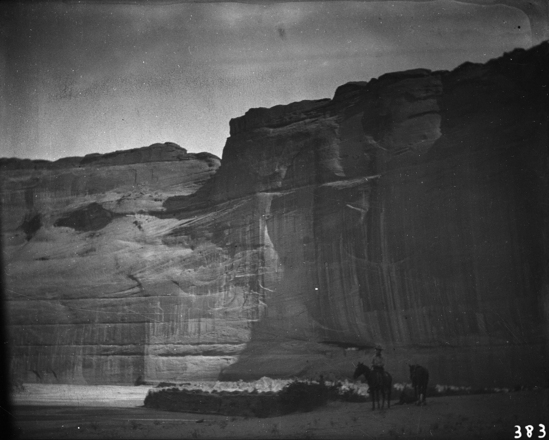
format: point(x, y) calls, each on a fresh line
point(378, 347)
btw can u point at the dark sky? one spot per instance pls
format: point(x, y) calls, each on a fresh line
point(86, 77)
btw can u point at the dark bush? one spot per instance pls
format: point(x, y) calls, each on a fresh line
point(303, 396)
point(148, 398)
point(267, 406)
point(296, 396)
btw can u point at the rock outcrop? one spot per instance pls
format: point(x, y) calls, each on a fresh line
point(85, 263)
point(410, 211)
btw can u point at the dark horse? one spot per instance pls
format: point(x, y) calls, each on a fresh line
point(378, 383)
point(420, 378)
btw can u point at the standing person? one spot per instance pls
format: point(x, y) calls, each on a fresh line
point(378, 362)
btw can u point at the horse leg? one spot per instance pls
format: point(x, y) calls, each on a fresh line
point(382, 394)
point(389, 397)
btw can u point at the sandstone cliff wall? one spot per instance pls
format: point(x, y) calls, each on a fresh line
point(90, 278)
point(410, 211)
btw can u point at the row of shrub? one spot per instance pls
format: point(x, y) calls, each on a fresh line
point(305, 396)
point(297, 396)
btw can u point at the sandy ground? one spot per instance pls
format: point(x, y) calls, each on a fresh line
point(97, 412)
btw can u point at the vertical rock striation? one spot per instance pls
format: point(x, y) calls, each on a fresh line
point(410, 210)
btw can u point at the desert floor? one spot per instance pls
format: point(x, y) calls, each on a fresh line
point(101, 412)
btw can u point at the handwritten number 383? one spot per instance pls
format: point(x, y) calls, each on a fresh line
point(529, 429)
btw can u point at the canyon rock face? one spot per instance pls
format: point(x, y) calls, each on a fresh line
point(409, 211)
